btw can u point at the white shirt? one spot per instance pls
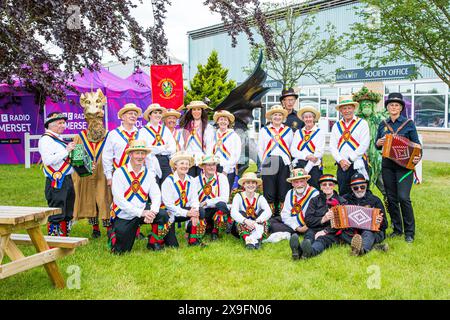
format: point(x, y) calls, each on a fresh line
point(194, 148)
point(53, 153)
point(232, 149)
point(135, 207)
point(286, 215)
point(261, 204)
point(361, 134)
point(179, 140)
point(264, 139)
point(315, 146)
point(220, 189)
point(170, 195)
point(168, 148)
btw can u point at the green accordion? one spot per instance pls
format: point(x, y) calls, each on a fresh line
point(80, 161)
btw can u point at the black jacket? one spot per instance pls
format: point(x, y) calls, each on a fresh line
point(369, 200)
point(294, 122)
point(317, 208)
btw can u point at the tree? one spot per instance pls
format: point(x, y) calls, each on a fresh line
point(408, 30)
point(44, 42)
point(210, 81)
point(300, 47)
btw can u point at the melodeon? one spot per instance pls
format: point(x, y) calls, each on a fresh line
point(350, 216)
point(401, 150)
point(80, 161)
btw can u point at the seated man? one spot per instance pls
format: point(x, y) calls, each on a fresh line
point(132, 184)
point(296, 203)
point(363, 241)
point(180, 197)
point(213, 193)
point(251, 212)
point(320, 235)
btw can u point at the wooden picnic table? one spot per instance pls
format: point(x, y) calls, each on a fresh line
point(30, 219)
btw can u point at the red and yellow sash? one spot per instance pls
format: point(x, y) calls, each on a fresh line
point(346, 134)
point(298, 205)
point(57, 175)
point(156, 134)
point(94, 149)
point(277, 140)
point(306, 137)
point(220, 144)
point(194, 137)
point(124, 158)
point(177, 136)
point(182, 189)
point(115, 210)
point(250, 208)
point(209, 189)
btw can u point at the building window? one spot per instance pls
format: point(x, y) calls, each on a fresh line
point(429, 110)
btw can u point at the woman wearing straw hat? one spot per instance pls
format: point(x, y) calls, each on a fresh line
point(292, 218)
point(132, 186)
point(251, 212)
point(226, 145)
point(180, 197)
point(197, 132)
point(273, 151)
point(308, 145)
point(158, 138)
point(213, 195)
point(170, 118)
point(349, 141)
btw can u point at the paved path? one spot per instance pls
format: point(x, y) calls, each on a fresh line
point(439, 155)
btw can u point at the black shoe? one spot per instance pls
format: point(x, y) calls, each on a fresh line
point(154, 246)
point(214, 236)
point(250, 246)
point(229, 227)
point(295, 246)
point(96, 234)
point(258, 245)
point(395, 234)
point(306, 247)
point(197, 244)
point(356, 245)
point(141, 236)
point(409, 239)
point(381, 247)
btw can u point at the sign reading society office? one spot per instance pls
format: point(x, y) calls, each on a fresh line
point(394, 72)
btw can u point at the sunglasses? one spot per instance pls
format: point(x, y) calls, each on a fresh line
point(356, 188)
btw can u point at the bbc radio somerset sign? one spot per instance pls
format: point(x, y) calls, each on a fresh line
point(395, 72)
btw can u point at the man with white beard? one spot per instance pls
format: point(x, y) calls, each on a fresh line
point(362, 241)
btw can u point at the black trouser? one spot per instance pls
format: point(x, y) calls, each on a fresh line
point(171, 237)
point(321, 243)
point(210, 212)
point(369, 238)
point(344, 178)
point(124, 231)
point(194, 171)
point(63, 198)
point(275, 185)
point(166, 170)
point(315, 173)
point(277, 225)
point(230, 176)
point(398, 192)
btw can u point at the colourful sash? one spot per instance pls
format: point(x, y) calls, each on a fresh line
point(94, 149)
point(194, 137)
point(57, 175)
point(124, 158)
point(220, 144)
point(298, 205)
point(209, 189)
point(346, 134)
point(177, 136)
point(306, 140)
point(157, 135)
point(250, 208)
point(276, 141)
point(182, 191)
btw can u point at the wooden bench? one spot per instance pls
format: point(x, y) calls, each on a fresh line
point(58, 242)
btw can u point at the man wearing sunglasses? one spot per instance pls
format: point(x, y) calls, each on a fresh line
point(362, 241)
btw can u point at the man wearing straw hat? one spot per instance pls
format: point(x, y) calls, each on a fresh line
point(251, 212)
point(297, 200)
point(213, 194)
point(349, 141)
point(59, 190)
point(158, 138)
point(170, 118)
point(132, 186)
point(288, 99)
point(180, 196)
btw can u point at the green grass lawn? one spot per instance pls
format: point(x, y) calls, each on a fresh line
point(226, 270)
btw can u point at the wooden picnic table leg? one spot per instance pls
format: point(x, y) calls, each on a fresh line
point(52, 268)
point(12, 251)
point(3, 241)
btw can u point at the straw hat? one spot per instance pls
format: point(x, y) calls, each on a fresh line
point(309, 109)
point(137, 145)
point(171, 112)
point(209, 159)
point(223, 113)
point(181, 155)
point(54, 116)
point(276, 109)
point(298, 174)
point(347, 101)
point(151, 108)
point(197, 104)
point(129, 107)
point(249, 176)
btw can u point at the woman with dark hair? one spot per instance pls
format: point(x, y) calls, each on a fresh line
point(197, 133)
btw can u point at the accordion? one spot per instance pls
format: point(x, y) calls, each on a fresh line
point(80, 161)
point(401, 150)
point(349, 216)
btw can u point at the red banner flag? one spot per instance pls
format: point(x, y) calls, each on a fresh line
point(167, 85)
